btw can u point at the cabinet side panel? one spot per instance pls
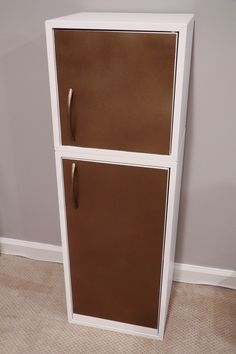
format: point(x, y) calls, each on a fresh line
point(170, 240)
point(115, 240)
point(182, 86)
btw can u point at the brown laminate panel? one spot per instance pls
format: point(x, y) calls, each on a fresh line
point(115, 222)
point(122, 89)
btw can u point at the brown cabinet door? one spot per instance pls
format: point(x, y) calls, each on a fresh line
point(115, 222)
point(116, 89)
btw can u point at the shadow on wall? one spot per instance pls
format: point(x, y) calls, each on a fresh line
point(29, 141)
point(208, 217)
point(207, 211)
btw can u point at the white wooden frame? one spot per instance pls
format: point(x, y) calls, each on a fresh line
point(183, 24)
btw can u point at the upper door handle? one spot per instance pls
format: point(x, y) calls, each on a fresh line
point(69, 102)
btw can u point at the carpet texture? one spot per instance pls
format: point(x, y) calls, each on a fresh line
point(202, 319)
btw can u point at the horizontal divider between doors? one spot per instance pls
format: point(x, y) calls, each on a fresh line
point(116, 157)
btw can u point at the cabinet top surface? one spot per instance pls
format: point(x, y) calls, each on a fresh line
point(112, 18)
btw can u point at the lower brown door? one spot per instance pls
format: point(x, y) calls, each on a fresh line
point(115, 221)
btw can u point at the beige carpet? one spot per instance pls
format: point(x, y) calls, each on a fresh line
point(202, 319)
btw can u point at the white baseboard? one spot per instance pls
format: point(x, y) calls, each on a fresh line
point(185, 273)
point(193, 274)
point(33, 250)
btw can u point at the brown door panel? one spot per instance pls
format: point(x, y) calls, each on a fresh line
point(122, 89)
point(115, 221)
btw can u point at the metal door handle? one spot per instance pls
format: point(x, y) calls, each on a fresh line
point(74, 177)
point(69, 101)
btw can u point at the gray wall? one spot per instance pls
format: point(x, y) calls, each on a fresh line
point(28, 207)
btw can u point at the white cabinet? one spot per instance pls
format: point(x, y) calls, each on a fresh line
point(119, 86)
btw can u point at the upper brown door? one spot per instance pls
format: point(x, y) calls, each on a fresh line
point(116, 89)
point(115, 222)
